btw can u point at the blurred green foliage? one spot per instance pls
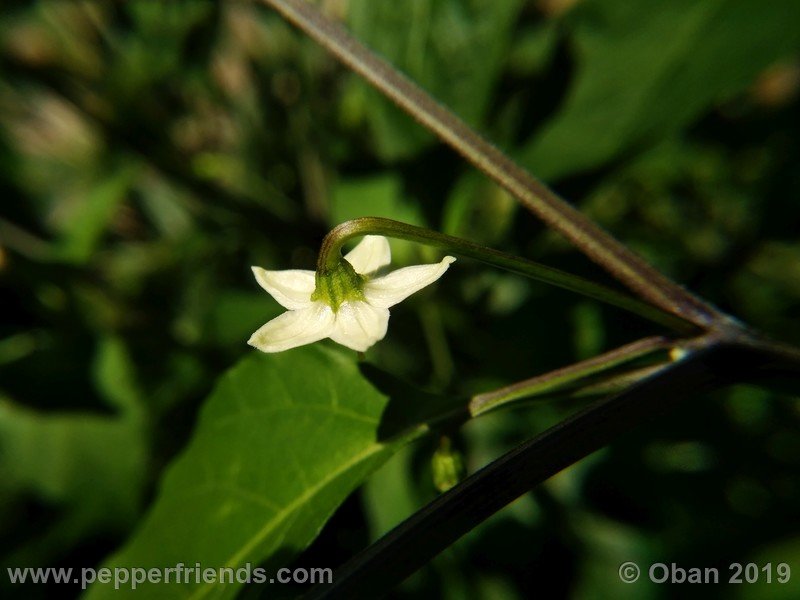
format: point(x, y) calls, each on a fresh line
point(151, 152)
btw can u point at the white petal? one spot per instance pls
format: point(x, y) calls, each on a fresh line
point(395, 287)
point(294, 328)
point(359, 325)
point(291, 288)
point(371, 254)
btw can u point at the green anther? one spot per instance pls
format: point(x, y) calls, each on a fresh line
point(337, 285)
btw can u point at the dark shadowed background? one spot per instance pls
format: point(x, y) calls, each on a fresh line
point(151, 152)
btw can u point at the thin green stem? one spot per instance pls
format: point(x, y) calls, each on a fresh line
point(570, 376)
point(330, 255)
point(615, 383)
point(600, 246)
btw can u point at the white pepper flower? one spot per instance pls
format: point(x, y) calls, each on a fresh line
point(348, 304)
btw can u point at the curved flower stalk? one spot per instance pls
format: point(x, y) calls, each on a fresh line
point(348, 304)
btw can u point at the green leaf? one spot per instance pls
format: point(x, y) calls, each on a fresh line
point(115, 378)
point(89, 468)
point(638, 79)
point(479, 210)
point(533, 49)
point(389, 495)
point(235, 315)
point(453, 48)
point(375, 196)
point(159, 51)
point(281, 442)
point(91, 217)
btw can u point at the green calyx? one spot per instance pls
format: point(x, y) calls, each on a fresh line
point(338, 284)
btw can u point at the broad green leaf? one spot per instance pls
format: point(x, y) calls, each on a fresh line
point(281, 442)
point(453, 48)
point(641, 77)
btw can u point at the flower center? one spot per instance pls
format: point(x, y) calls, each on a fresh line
point(337, 285)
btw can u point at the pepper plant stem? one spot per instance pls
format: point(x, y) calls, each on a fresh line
point(330, 255)
point(568, 376)
point(600, 246)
